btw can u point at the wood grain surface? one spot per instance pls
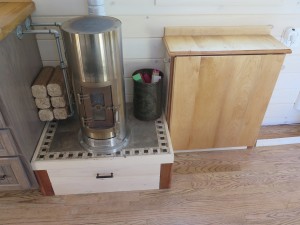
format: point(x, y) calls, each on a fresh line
point(59, 102)
point(42, 103)
point(165, 175)
point(279, 131)
point(12, 14)
point(56, 85)
point(46, 114)
point(44, 182)
point(18, 70)
point(220, 101)
point(39, 86)
point(258, 187)
point(217, 30)
point(61, 113)
point(224, 45)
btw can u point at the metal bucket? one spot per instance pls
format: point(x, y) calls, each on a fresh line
point(94, 54)
point(147, 98)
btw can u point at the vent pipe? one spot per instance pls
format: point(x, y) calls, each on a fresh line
point(96, 7)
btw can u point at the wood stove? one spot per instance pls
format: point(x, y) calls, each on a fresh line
point(94, 54)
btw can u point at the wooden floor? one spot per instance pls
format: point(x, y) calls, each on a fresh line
point(258, 186)
point(279, 131)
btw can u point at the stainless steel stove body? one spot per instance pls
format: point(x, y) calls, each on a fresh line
point(94, 54)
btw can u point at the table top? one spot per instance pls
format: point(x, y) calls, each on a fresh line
point(223, 45)
point(12, 14)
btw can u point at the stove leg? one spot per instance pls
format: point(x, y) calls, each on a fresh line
point(44, 182)
point(165, 175)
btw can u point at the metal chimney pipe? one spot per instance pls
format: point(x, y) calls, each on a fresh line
point(96, 7)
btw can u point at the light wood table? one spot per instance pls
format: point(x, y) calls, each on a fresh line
point(12, 14)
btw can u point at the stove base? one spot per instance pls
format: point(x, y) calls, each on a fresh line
point(108, 146)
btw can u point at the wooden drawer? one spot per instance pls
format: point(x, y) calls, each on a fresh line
point(7, 143)
point(12, 174)
point(126, 177)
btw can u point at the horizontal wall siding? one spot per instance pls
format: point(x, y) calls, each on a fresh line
point(143, 23)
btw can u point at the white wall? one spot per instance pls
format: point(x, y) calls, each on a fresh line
point(144, 20)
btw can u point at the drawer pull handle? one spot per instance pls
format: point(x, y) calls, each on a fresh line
point(104, 176)
point(3, 177)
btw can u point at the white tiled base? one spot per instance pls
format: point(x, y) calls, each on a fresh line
point(127, 175)
point(131, 169)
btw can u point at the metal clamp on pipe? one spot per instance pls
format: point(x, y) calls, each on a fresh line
point(21, 32)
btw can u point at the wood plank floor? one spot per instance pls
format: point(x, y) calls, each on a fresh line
point(258, 186)
point(279, 131)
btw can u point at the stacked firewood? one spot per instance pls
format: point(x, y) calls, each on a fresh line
point(49, 92)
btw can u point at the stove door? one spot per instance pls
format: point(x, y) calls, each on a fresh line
point(97, 107)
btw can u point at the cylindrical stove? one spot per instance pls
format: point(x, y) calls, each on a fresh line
point(94, 54)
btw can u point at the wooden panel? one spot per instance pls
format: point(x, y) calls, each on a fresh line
point(224, 30)
point(13, 175)
point(17, 72)
point(165, 176)
point(44, 182)
point(184, 93)
point(224, 45)
point(220, 101)
point(12, 14)
point(7, 143)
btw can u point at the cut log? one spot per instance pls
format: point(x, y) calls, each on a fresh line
point(56, 85)
point(60, 113)
point(59, 102)
point(46, 115)
point(43, 103)
point(39, 86)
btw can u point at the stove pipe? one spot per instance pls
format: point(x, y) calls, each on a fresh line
point(94, 54)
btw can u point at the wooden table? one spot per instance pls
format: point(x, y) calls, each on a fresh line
point(12, 14)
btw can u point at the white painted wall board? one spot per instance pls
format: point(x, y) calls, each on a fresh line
point(48, 50)
point(291, 64)
point(288, 81)
point(148, 7)
point(288, 119)
point(142, 27)
point(131, 7)
point(133, 48)
point(60, 7)
point(275, 110)
point(153, 26)
point(278, 141)
point(130, 65)
point(143, 48)
point(199, 3)
point(50, 62)
point(284, 96)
